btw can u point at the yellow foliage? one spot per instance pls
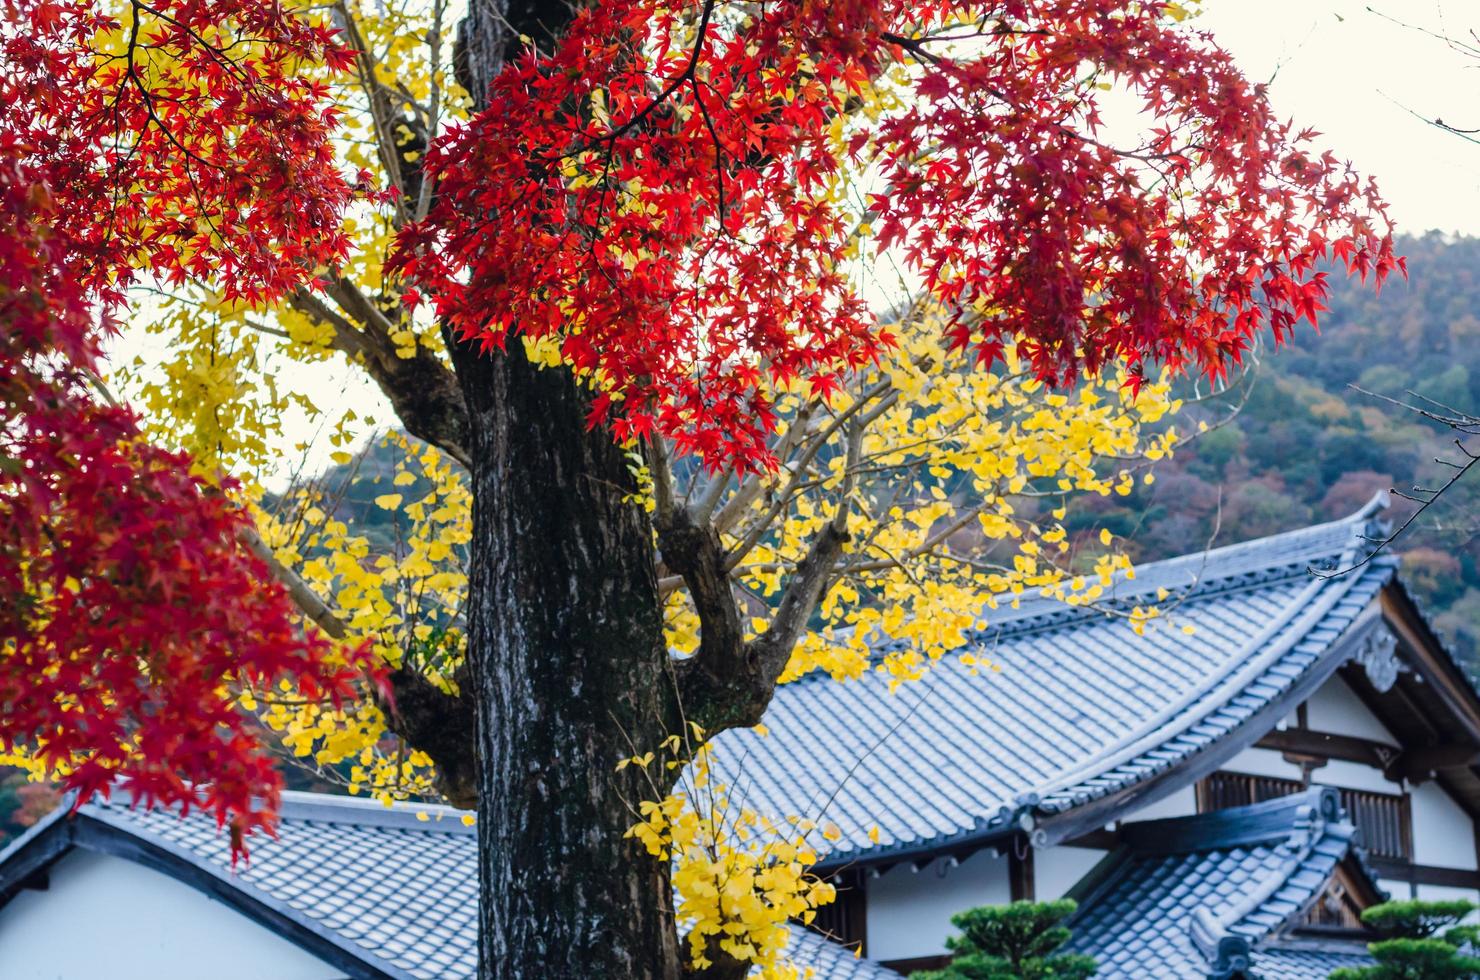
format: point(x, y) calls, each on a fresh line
point(404, 604)
point(739, 877)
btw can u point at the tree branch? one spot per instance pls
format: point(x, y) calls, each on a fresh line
point(694, 551)
point(421, 388)
point(302, 594)
point(422, 714)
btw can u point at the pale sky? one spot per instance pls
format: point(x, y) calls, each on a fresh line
point(1353, 75)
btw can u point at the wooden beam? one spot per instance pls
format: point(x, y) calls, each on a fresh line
point(906, 967)
point(1415, 764)
point(1328, 745)
point(1105, 840)
point(1418, 764)
point(1020, 870)
point(1425, 874)
point(1432, 662)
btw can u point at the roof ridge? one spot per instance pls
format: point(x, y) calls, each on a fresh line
point(335, 808)
point(368, 811)
point(1041, 613)
point(1320, 815)
point(1254, 823)
point(1346, 533)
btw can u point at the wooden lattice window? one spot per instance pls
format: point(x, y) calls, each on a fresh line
point(1385, 819)
point(844, 919)
point(1225, 790)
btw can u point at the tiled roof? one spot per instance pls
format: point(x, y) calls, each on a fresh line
point(1312, 962)
point(1212, 895)
point(399, 892)
point(1082, 710)
point(829, 961)
point(396, 895)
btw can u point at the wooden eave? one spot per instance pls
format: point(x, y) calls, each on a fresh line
point(1432, 709)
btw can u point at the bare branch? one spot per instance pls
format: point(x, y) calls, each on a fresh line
point(1425, 497)
point(421, 388)
point(304, 597)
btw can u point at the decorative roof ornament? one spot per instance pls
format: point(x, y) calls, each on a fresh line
point(1228, 955)
point(1378, 656)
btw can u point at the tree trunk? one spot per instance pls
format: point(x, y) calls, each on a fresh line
point(568, 677)
point(569, 672)
point(568, 665)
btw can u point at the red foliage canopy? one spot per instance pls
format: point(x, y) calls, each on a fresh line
point(130, 604)
point(654, 192)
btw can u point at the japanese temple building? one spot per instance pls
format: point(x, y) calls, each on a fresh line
point(1222, 803)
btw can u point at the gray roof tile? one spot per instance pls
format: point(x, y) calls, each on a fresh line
point(1194, 887)
point(399, 893)
point(1082, 709)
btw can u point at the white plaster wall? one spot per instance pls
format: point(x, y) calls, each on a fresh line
point(1262, 762)
point(1354, 775)
point(1442, 893)
point(1182, 803)
point(1442, 833)
point(1335, 709)
point(1058, 869)
point(909, 912)
point(1397, 891)
point(108, 917)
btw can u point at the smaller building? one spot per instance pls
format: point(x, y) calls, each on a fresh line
point(349, 889)
point(1268, 890)
point(974, 787)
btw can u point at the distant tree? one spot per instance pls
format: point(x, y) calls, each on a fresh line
point(1217, 448)
point(1013, 942)
point(1421, 941)
point(1450, 388)
point(1460, 623)
point(1433, 574)
point(22, 804)
point(1259, 507)
point(1351, 490)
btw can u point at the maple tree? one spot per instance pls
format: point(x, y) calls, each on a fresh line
point(619, 277)
point(130, 602)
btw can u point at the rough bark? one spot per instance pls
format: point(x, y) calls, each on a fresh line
point(568, 677)
point(442, 725)
point(729, 683)
point(568, 667)
point(568, 671)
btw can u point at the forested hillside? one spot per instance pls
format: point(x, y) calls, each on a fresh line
point(1308, 447)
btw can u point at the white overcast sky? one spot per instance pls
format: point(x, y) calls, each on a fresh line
point(1354, 75)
